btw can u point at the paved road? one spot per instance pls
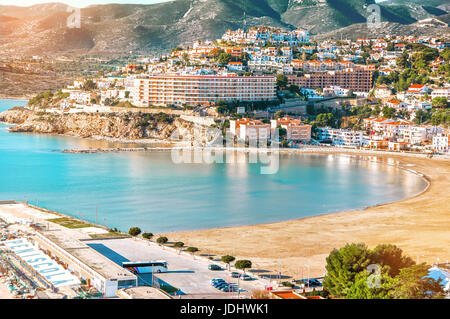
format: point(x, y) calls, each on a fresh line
point(187, 273)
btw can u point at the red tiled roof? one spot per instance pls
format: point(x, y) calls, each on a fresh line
point(416, 86)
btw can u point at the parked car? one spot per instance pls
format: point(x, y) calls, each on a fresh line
point(234, 289)
point(315, 283)
point(225, 288)
point(310, 282)
point(217, 281)
point(235, 274)
point(214, 267)
point(246, 277)
point(222, 285)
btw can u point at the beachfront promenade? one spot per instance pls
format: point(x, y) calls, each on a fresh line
point(188, 273)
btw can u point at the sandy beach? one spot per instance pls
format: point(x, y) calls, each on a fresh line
point(13, 97)
point(419, 225)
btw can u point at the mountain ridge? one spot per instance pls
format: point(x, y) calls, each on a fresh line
point(119, 28)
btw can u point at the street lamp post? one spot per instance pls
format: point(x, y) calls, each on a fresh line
point(279, 269)
point(239, 289)
point(418, 258)
point(308, 273)
point(153, 279)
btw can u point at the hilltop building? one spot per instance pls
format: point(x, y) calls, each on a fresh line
point(264, 34)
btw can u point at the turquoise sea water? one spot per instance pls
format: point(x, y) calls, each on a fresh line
point(150, 191)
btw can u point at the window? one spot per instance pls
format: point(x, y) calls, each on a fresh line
point(126, 283)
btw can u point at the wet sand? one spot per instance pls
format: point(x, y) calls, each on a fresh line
point(419, 225)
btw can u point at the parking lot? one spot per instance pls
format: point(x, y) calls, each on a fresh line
point(188, 273)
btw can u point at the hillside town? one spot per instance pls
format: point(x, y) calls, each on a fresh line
point(384, 94)
point(369, 119)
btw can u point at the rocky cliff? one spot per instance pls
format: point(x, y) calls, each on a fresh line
point(132, 126)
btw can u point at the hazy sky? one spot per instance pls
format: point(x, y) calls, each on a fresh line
point(76, 3)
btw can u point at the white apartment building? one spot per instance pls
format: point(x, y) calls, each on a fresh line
point(259, 35)
point(235, 66)
point(382, 91)
point(295, 129)
point(195, 90)
point(414, 105)
point(81, 97)
point(398, 105)
point(250, 129)
point(78, 83)
point(109, 94)
point(262, 64)
point(340, 137)
point(335, 91)
point(413, 134)
point(441, 143)
point(417, 89)
point(387, 126)
point(110, 81)
point(441, 92)
point(391, 129)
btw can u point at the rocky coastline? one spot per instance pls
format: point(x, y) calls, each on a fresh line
point(129, 126)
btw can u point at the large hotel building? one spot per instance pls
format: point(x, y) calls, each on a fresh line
point(356, 79)
point(195, 90)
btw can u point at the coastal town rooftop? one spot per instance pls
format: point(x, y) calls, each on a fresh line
point(62, 238)
point(65, 239)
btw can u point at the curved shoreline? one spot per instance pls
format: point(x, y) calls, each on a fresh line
point(400, 222)
point(356, 154)
point(419, 224)
point(16, 98)
point(360, 155)
point(356, 209)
